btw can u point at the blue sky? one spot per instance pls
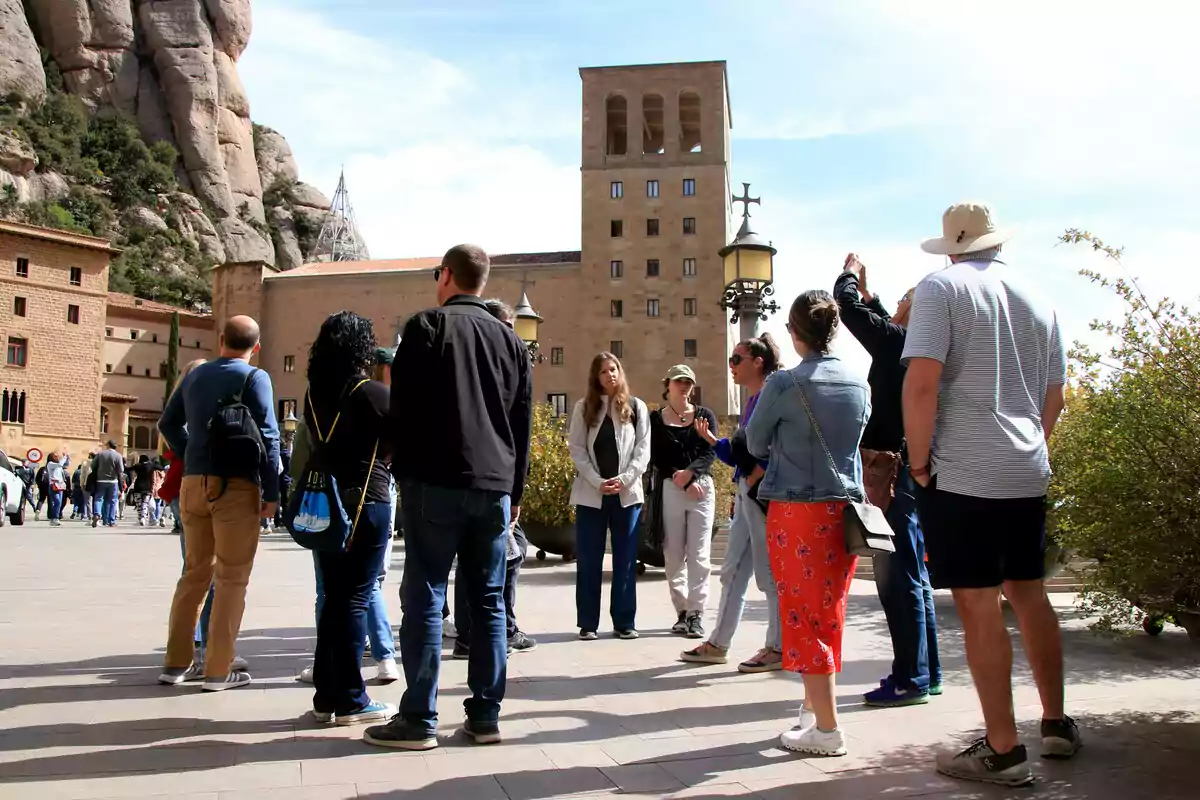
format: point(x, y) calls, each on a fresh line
point(857, 122)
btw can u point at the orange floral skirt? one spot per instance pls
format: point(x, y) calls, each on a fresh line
point(812, 571)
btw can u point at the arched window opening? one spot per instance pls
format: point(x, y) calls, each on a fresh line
point(617, 115)
point(103, 419)
point(689, 122)
point(653, 137)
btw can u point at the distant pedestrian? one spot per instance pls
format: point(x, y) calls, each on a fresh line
point(461, 456)
point(143, 489)
point(222, 418)
point(58, 483)
point(108, 469)
point(984, 389)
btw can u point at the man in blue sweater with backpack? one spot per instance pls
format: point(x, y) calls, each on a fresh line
point(221, 418)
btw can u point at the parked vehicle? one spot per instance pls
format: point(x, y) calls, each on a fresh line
point(12, 493)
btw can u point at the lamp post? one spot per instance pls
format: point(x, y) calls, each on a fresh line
point(526, 327)
point(749, 266)
point(289, 429)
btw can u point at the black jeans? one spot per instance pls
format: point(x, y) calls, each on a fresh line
point(462, 609)
point(348, 579)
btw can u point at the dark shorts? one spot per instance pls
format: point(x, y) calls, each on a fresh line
point(980, 542)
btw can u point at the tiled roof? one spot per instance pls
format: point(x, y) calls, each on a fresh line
point(429, 262)
point(57, 236)
point(119, 300)
point(116, 397)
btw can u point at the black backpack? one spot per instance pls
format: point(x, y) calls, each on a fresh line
point(235, 444)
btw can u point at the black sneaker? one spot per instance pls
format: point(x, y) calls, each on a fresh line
point(695, 628)
point(520, 643)
point(681, 625)
point(400, 735)
point(1060, 738)
point(482, 732)
point(980, 762)
point(461, 651)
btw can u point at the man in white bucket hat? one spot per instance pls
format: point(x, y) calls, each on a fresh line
point(984, 388)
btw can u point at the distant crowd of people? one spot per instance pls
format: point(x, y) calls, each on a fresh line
point(947, 434)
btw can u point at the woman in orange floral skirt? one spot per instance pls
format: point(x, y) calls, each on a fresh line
point(809, 421)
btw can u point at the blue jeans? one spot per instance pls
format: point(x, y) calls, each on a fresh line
point(902, 580)
point(438, 524)
point(56, 504)
point(106, 502)
point(746, 557)
point(379, 627)
point(591, 525)
point(348, 579)
point(462, 608)
point(206, 612)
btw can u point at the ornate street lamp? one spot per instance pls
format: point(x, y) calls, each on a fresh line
point(749, 264)
point(526, 327)
point(289, 429)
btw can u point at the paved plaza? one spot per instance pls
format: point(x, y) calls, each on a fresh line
point(83, 623)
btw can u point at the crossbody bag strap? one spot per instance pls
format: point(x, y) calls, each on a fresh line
point(363, 497)
point(820, 437)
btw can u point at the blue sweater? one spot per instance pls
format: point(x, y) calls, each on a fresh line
point(184, 422)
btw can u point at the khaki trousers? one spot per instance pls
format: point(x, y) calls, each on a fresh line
point(220, 539)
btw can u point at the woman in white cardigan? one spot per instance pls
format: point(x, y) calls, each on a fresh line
point(610, 445)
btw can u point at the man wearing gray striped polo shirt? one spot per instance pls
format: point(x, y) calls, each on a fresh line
point(986, 371)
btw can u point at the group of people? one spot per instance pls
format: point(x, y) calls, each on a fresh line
point(948, 433)
point(97, 489)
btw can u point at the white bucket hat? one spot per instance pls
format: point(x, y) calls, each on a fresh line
point(966, 228)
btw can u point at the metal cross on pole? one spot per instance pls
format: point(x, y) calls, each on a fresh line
point(746, 200)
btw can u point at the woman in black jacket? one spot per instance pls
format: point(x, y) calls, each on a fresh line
point(901, 578)
point(683, 460)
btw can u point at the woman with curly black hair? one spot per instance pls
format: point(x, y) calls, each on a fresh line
point(348, 411)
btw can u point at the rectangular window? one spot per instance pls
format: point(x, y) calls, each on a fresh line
point(162, 370)
point(689, 267)
point(133, 334)
point(108, 368)
point(617, 228)
point(689, 306)
point(197, 344)
point(558, 404)
point(108, 331)
point(652, 227)
point(147, 372)
point(18, 352)
point(617, 348)
point(689, 225)
point(689, 348)
point(652, 268)
point(18, 306)
point(73, 314)
point(129, 369)
point(696, 395)
point(652, 308)
point(76, 276)
point(616, 308)
point(289, 363)
point(616, 269)
point(154, 338)
point(651, 188)
point(616, 190)
point(556, 356)
point(689, 187)
point(22, 267)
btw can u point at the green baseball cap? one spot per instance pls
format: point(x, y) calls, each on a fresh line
point(384, 355)
point(681, 372)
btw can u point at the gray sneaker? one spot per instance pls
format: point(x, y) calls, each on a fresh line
point(1060, 738)
point(681, 624)
point(173, 676)
point(980, 762)
point(233, 680)
point(695, 628)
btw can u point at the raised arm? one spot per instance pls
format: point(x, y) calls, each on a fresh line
point(872, 329)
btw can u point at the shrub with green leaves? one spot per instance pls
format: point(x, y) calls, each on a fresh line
point(551, 471)
point(1126, 456)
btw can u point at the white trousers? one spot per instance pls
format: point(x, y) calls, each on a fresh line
point(687, 544)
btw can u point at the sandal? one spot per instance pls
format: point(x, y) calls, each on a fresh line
point(765, 660)
point(705, 654)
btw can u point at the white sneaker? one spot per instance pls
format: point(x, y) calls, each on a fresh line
point(815, 741)
point(806, 719)
point(448, 630)
point(306, 675)
point(388, 671)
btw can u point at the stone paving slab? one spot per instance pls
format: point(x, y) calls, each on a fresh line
point(82, 627)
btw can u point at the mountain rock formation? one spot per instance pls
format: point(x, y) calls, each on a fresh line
point(167, 69)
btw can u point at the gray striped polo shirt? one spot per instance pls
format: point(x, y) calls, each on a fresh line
point(1001, 348)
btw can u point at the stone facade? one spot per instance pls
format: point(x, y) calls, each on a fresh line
point(53, 293)
point(684, 109)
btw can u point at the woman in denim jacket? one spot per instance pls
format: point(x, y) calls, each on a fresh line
point(807, 495)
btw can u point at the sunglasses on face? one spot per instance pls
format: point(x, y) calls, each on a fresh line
point(737, 358)
point(437, 272)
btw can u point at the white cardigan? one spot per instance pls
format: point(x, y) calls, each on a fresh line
point(633, 447)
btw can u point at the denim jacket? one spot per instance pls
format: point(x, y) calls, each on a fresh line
point(799, 470)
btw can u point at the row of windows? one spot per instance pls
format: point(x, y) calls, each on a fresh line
point(616, 308)
point(616, 189)
point(617, 227)
point(135, 335)
point(12, 406)
point(653, 127)
point(147, 373)
point(616, 269)
point(21, 309)
point(23, 272)
point(617, 348)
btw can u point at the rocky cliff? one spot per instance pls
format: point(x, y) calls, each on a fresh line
point(163, 72)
